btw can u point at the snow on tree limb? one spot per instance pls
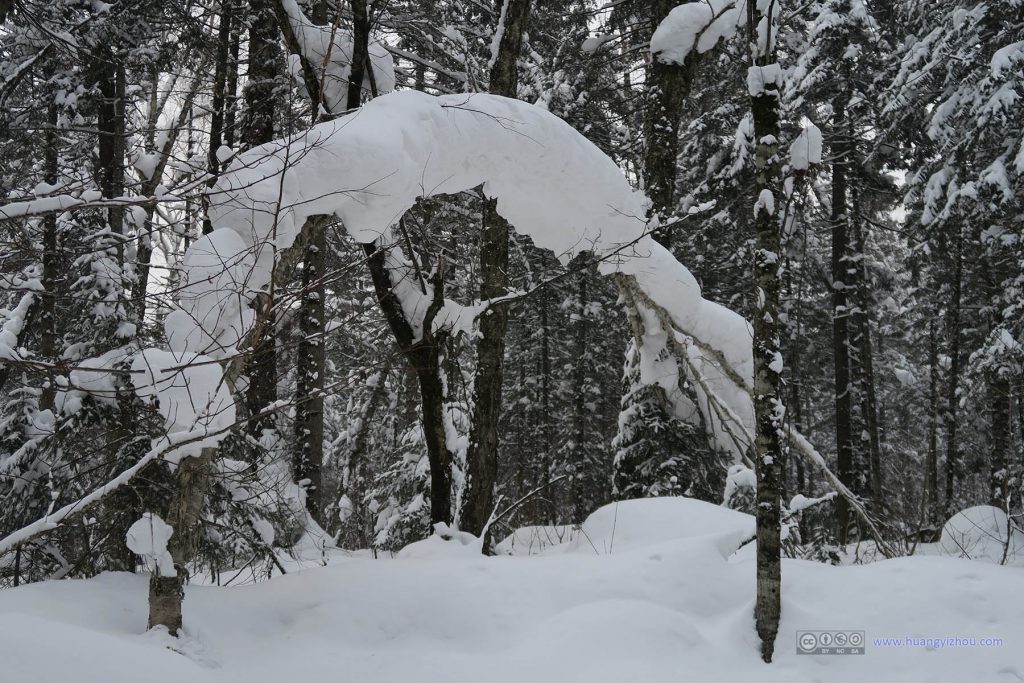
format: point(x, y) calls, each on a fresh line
point(549, 181)
point(329, 49)
point(696, 27)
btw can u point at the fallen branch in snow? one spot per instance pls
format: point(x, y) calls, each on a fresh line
point(530, 494)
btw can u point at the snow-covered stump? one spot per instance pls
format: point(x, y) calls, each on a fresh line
point(166, 593)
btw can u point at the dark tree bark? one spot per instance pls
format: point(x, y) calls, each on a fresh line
point(219, 104)
point(866, 368)
point(357, 468)
point(930, 497)
point(51, 264)
point(311, 352)
point(840, 317)
point(668, 86)
point(110, 129)
point(257, 128)
point(1000, 419)
point(425, 356)
point(482, 455)
point(768, 389)
point(769, 413)
point(310, 365)
point(582, 461)
point(953, 464)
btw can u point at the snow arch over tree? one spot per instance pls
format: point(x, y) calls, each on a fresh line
point(550, 183)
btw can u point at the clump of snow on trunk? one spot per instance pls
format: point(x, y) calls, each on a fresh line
point(147, 538)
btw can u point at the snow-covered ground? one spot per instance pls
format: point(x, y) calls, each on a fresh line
point(646, 591)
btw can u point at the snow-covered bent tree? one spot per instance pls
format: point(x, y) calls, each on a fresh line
point(550, 183)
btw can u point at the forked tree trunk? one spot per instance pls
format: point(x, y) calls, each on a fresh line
point(184, 516)
point(425, 355)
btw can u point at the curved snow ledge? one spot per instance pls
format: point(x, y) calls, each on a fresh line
point(369, 168)
point(644, 522)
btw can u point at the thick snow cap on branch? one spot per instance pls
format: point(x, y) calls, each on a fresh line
point(188, 391)
point(806, 149)
point(550, 183)
point(698, 26)
point(334, 45)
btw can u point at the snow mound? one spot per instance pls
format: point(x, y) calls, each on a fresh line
point(444, 543)
point(980, 533)
point(636, 524)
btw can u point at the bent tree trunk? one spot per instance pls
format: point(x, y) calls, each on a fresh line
point(425, 356)
point(184, 515)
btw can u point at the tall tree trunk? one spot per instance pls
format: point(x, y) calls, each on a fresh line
point(930, 498)
point(1000, 419)
point(51, 263)
point(111, 131)
point(482, 455)
point(257, 128)
point(311, 357)
point(582, 464)
point(184, 516)
point(768, 389)
point(764, 82)
point(219, 103)
point(866, 366)
point(667, 87)
point(953, 384)
point(840, 317)
point(357, 468)
point(310, 366)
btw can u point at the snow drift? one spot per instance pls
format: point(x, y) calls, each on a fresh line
point(663, 609)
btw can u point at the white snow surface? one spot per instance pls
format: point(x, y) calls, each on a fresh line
point(550, 183)
point(982, 533)
point(668, 607)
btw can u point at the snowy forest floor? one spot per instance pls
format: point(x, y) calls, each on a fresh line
point(653, 591)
